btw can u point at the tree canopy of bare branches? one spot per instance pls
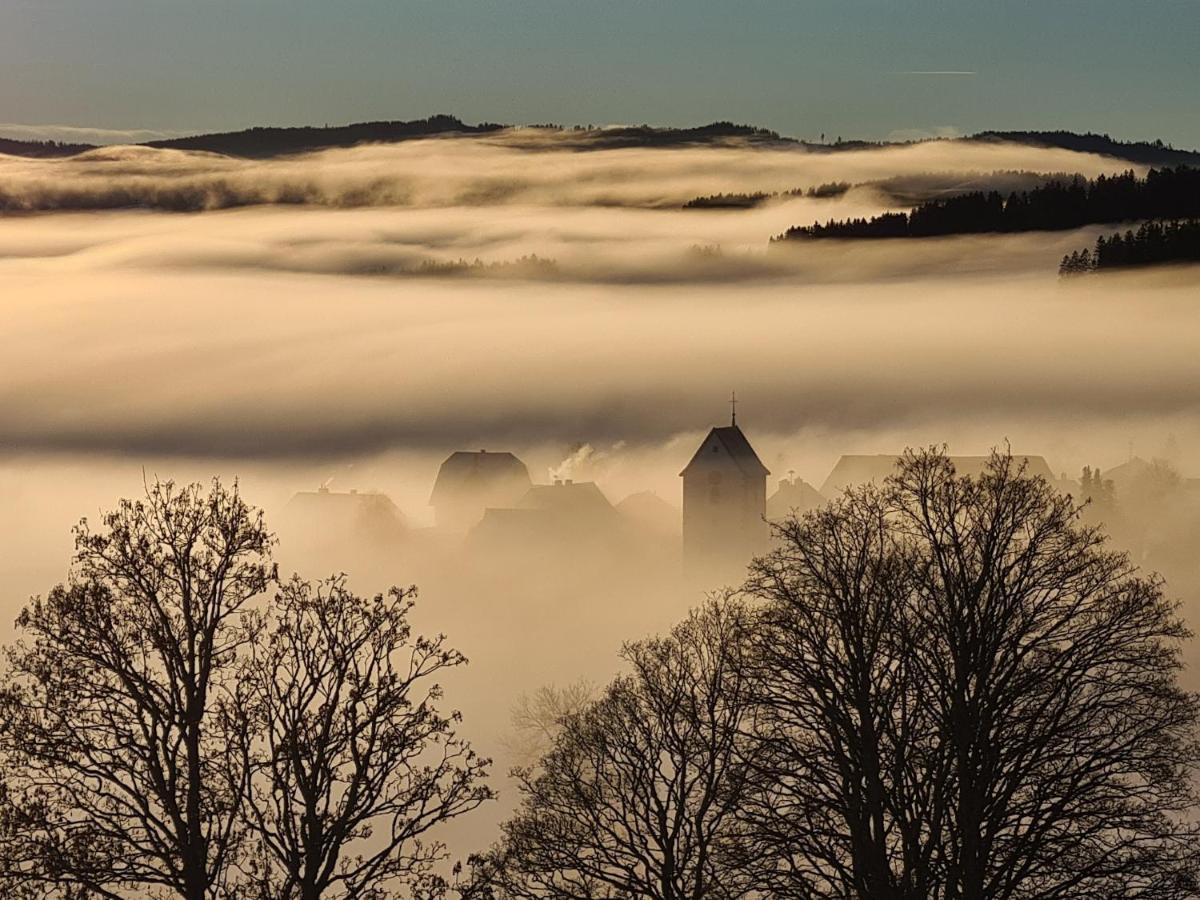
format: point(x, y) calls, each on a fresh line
point(965, 694)
point(640, 793)
point(537, 718)
point(168, 727)
point(845, 806)
point(352, 763)
point(114, 735)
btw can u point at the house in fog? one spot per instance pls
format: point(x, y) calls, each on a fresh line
point(793, 496)
point(346, 514)
point(724, 504)
point(652, 516)
point(578, 504)
point(322, 531)
point(468, 483)
point(549, 517)
point(856, 469)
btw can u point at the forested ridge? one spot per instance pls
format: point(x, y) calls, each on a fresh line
point(1151, 153)
point(40, 149)
point(260, 141)
point(902, 190)
point(757, 198)
point(1154, 243)
point(266, 142)
point(1059, 205)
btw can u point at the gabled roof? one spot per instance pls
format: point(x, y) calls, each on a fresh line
point(573, 498)
point(1128, 472)
point(864, 468)
point(793, 496)
point(736, 448)
point(340, 510)
point(651, 512)
point(469, 472)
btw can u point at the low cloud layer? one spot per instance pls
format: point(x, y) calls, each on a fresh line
point(284, 367)
point(346, 332)
point(521, 167)
point(598, 310)
point(75, 134)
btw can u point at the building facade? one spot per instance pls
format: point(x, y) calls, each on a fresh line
point(724, 506)
point(468, 483)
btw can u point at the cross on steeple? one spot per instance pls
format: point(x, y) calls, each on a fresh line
point(733, 408)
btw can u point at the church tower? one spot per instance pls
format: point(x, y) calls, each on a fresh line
point(724, 504)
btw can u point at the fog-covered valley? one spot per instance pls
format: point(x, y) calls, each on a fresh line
point(364, 313)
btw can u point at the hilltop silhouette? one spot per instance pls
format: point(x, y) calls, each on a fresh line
point(41, 149)
point(1054, 206)
point(1149, 153)
point(1153, 244)
point(267, 142)
point(264, 142)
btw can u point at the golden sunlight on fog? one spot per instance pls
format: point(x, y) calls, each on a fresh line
point(289, 344)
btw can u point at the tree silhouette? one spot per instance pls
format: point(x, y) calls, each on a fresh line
point(981, 694)
point(851, 801)
point(640, 794)
point(1057, 205)
point(345, 741)
point(115, 740)
point(1154, 243)
point(537, 718)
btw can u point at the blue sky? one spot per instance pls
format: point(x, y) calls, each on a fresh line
point(803, 67)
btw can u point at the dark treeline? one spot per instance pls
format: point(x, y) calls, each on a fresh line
point(186, 195)
point(749, 201)
point(267, 142)
point(1172, 193)
point(899, 189)
point(1154, 243)
point(41, 149)
point(730, 201)
point(528, 266)
point(1149, 153)
point(651, 136)
point(263, 142)
point(938, 688)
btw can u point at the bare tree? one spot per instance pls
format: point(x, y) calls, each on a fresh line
point(979, 690)
point(537, 718)
point(1050, 667)
point(639, 795)
point(849, 804)
point(353, 763)
point(115, 747)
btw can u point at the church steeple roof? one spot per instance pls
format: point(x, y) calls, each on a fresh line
point(736, 448)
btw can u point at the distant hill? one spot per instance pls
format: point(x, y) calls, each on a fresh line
point(266, 142)
point(1153, 244)
point(899, 190)
point(1169, 193)
point(1148, 153)
point(589, 138)
point(41, 149)
point(258, 143)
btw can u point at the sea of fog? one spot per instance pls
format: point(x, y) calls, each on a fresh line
point(344, 330)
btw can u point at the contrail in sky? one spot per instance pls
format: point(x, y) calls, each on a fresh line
point(944, 72)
